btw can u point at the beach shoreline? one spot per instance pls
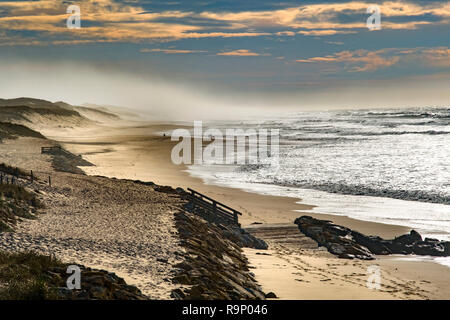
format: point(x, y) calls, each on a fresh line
point(143, 154)
point(146, 156)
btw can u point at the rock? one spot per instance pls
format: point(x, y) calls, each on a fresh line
point(182, 279)
point(214, 264)
point(429, 249)
point(271, 295)
point(95, 280)
point(99, 293)
point(431, 240)
point(196, 292)
point(446, 245)
point(242, 237)
point(166, 189)
point(95, 284)
point(341, 231)
point(410, 238)
point(336, 248)
point(81, 295)
point(337, 239)
point(62, 292)
point(374, 244)
point(177, 294)
point(184, 266)
point(398, 248)
point(349, 244)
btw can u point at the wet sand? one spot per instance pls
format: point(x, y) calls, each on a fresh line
point(137, 153)
point(143, 153)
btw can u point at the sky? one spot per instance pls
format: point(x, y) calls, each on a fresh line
point(227, 58)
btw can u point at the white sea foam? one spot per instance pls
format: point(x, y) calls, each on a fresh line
point(387, 166)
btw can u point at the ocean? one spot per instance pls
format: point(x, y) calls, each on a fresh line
point(387, 165)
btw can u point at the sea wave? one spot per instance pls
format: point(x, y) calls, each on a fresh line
point(412, 195)
point(379, 156)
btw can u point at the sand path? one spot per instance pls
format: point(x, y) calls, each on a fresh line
point(147, 157)
point(120, 226)
point(308, 272)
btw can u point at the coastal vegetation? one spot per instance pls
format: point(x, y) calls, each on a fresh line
point(12, 131)
point(16, 203)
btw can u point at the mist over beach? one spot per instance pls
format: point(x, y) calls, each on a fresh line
point(224, 151)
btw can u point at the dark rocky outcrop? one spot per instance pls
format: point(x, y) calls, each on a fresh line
point(29, 275)
point(242, 238)
point(95, 285)
point(214, 265)
point(347, 243)
point(271, 295)
point(336, 239)
point(166, 189)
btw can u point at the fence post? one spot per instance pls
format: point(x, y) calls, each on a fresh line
point(32, 178)
point(193, 201)
point(215, 210)
point(235, 217)
point(49, 181)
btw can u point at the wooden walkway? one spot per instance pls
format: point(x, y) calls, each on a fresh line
point(55, 150)
point(284, 234)
point(211, 209)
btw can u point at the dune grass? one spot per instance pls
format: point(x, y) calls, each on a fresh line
point(19, 194)
point(12, 131)
point(24, 276)
point(14, 171)
point(15, 203)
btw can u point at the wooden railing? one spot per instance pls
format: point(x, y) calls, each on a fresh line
point(50, 149)
point(54, 149)
point(8, 179)
point(211, 209)
point(58, 150)
point(20, 178)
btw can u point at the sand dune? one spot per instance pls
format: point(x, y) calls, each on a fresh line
point(115, 225)
point(44, 116)
point(293, 270)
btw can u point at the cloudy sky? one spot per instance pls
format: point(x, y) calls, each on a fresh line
point(227, 54)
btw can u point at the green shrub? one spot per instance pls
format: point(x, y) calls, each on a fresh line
point(23, 276)
point(4, 227)
point(18, 193)
point(16, 202)
point(14, 171)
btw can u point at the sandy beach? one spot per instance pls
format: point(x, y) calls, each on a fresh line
point(291, 269)
point(142, 153)
point(98, 222)
point(319, 139)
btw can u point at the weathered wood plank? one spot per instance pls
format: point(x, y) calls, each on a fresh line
point(212, 208)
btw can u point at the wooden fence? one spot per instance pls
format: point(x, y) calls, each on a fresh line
point(13, 178)
point(47, 150)
point(8, 179)
point(211, 209)
point(53, 150)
